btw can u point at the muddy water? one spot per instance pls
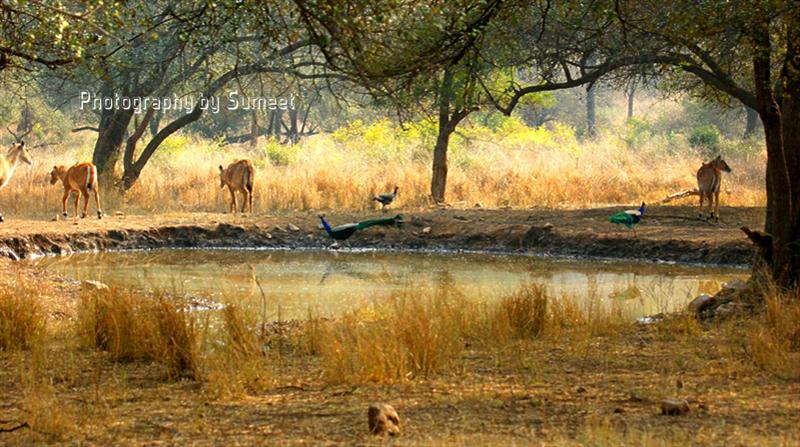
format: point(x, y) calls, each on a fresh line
point(290, 284)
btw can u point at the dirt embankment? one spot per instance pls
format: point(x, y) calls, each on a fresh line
point(665, 233)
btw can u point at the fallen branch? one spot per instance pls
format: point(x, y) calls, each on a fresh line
point(15, 428)
point(680, 195)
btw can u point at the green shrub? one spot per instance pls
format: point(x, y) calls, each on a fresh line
point(705, 139)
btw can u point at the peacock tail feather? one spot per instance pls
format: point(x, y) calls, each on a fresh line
point(386, 221)
point(624, 218)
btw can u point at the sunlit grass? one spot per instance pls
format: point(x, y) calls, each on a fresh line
point(513, 165)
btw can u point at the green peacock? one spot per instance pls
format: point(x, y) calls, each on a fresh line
point(344, 231)
point(628, 218)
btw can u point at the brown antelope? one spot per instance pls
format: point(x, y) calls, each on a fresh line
point(238, 176)
point(9, 162)
point(709, 180)
point(80, 178)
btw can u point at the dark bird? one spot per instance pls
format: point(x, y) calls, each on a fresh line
point(344, 231)
point(628, 218)
point(386, 199)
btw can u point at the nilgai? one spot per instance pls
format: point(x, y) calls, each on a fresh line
point(709, 181)
point(81, 178)
point(239, 176)
point(10, 161)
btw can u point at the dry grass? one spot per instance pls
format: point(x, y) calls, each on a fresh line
point(410, 336)
point(139, 328)
point(22, 316)
point(518, 166)
point(772, 341)
point(585, 377)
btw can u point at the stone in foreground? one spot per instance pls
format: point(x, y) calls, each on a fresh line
point(383, 420)
point(674, 407)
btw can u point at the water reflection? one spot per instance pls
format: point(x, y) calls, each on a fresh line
point(292, 283)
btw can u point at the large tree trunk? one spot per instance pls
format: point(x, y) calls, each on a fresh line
point(780, 116)
point(439, 179)
point(111, 134)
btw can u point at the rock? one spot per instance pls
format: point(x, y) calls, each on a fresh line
point(9, 253)
point(736, 284)
point(701, 303)
point(278, 228)
point(292, 227)
point(426, 230)
point(478, 205)
point(417, 221)
point(547, 226)
point(727, 309)
point(93, 286)
point(119, 214)
point(268, 235)
point(461, 218)
point(54, 219)
point(383, 420)
point(674, 407)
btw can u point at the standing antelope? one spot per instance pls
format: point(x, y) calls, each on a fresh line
point(9, 162)
point(80, 178)
point(709, 180)
point(238, 176)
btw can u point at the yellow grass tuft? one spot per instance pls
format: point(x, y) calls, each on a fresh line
point(22, 316)
point(139, 328)
point(773, 339)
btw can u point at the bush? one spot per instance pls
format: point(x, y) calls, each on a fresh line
point(705, 139)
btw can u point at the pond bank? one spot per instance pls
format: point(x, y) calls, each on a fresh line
point(670, 234)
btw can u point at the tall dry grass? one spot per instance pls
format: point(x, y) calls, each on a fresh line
point(772, 339)
point(22, 316)
point(131, 327)
point(415, 335)
point(512, 165)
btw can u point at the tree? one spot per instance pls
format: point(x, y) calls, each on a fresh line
point(406, 53)
point(41, 33)
point(712, 43)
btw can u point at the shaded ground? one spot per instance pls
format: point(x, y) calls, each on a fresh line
point(666, 233)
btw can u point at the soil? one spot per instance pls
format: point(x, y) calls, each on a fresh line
point(672, 234)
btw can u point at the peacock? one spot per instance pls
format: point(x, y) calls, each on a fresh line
point(344, 231)
point(628, 218)
point(385, 199)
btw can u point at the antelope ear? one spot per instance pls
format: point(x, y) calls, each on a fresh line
point(220, 168)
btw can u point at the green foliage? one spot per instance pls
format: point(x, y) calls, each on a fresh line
point(636, 132)
point(279, 154)
point(705, 139)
